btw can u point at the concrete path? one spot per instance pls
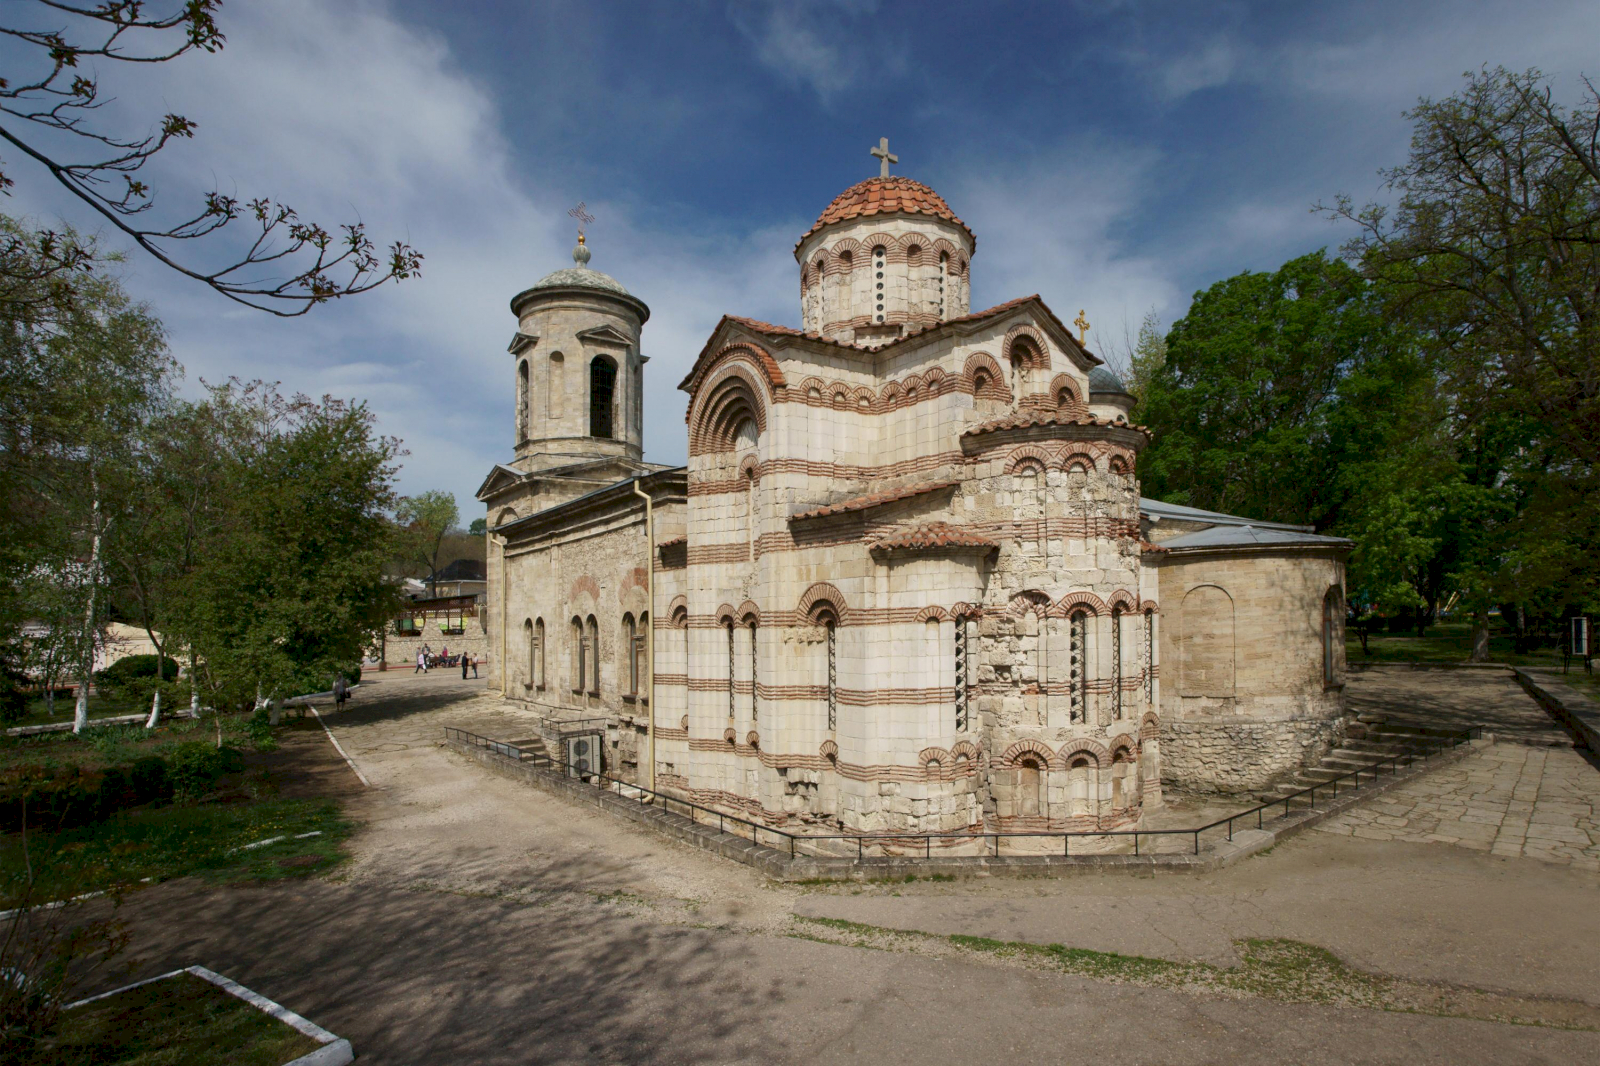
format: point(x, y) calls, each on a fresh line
point(1454, 699)
point(480, 921)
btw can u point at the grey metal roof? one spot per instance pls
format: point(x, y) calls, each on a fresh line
point(1178, 511)
point(1101, 379)
point(1249, 536)
point(580, 278)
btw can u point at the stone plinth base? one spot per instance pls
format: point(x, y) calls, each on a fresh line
point(1242, 754)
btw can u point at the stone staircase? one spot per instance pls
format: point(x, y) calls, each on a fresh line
point(1369, 740)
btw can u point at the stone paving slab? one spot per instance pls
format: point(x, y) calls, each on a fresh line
point(1505, 799)
point(1453, 699)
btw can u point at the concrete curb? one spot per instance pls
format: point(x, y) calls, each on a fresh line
point(1216, 850)
point(1407, 664)
point(335, 1050)
point(1576, 711)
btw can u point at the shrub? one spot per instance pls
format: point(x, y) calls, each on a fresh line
point(194, 767)
point(134, 678)
point(13, 696)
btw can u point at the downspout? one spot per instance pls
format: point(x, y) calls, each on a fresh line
point(505, 689)
point(650, 630)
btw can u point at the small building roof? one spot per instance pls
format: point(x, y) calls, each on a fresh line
point(894, 195)
point(1183, 513)
point(1249, 536)
point(1102, 379)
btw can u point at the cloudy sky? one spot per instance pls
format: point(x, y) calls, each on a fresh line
point(1113, 156)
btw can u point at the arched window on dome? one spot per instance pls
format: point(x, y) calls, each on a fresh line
point(879, 258)
point(944, 278)
point(602, 396)
point(555, 397)
point(524, 398)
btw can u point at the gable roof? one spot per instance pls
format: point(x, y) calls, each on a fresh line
point(874, 499)
point(789, 334)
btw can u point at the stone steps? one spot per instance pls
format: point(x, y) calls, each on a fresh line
point(1372, 740)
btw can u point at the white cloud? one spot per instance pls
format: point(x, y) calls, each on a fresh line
point(802, 42)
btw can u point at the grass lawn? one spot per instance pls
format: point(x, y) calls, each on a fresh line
point(99, 707)
point(117, 744)
point(161, 843)
point(178, 1021)
point(1442, 645)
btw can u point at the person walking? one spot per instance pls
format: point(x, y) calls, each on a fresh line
point(422, 662)
point(474, 666)
point(341, 692)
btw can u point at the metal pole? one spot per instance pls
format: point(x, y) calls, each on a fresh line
point(650, 630)
point(505, 684)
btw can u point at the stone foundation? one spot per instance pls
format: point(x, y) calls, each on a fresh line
point(401, 652)
point(1242, 754)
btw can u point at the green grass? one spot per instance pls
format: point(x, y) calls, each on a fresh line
point(160, 843)
point(1443, 644)
point(178, 1021)
point(116, 744)
point(99, 707)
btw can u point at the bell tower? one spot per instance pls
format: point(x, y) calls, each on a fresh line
point(577, 369)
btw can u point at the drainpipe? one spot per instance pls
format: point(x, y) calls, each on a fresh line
point(650, 630)
point(505, 688)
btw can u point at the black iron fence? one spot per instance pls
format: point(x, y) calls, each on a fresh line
point(906, 844)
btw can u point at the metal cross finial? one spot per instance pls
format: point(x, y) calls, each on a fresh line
point(1083, 325)
point(581, 213)
point(884, 155)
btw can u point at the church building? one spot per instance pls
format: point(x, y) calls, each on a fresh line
point(906, 581)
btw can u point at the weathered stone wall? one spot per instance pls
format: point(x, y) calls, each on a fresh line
point(1244, 698)
point(400, 652)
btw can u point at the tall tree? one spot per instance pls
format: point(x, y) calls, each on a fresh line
point(428, 516)
point(1492, 250)
point(1261, 397)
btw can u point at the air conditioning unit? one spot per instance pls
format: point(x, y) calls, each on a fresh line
point(583, 755)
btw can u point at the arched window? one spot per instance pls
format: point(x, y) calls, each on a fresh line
point(524, 398)
point(593, 656)
point(1080, 787)
point(729, 626)
point(535, 633)
point(944, 275)
point(878, 259)
point(578, 662)
point(980, 381)
point(602, 394)
point(1030, 787)
point(558, 385)
point(830, 627)
point(1149, 656)
point(1078, 677)
point(630, 650)
point(1116, 663)
point(641, 655)
point(1332, 616)
point(962, 676)
point(755, 703)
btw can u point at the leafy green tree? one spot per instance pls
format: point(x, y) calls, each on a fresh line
point(427, 518)
point(479, 527)
point(1492, 252)
point(287, 585)
point(1266, 391)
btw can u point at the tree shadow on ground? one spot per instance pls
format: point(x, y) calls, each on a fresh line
point(1454, 700)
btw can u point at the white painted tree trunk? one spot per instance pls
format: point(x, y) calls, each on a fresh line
point(276, 712)
point(80, 716)
point(155, 711)
point(194, 688)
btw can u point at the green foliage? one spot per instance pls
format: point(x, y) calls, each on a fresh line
point(426, 518)
point(193, 768)
point(130, 667)
point(479, 527)
point(1271, 384)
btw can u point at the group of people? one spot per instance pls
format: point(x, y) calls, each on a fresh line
point(425, 659)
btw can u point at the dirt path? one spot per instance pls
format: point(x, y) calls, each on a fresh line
point(481, 921)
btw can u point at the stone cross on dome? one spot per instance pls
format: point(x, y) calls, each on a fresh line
point(884, 155)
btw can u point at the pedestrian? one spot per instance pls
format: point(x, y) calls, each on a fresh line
point(341, 692)
point(474, 666)
point(464, 658)
point(422, 662)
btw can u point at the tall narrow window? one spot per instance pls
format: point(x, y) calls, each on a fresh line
point(730, 670)
point(602, 393)
point(878, 258)
point(1078, 676)
point(944, 276)
point(833, 672)
point(1149, 656)
point(755, 703)
point(1330, 632)
point(961, 675)
point(578, 662)
point(1116, 664)
point(523, 399)
point(592, 656)
point(641, 655)
point(555, 397)
point(538, 654)
point(630, 649)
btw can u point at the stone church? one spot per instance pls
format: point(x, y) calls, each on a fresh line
point(906, 581)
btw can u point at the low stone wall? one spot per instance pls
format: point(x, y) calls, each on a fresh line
point(1242, 754)
point(1216, 852)
point(402, 651)
point(1576, 711)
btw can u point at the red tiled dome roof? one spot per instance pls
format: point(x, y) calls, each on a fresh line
point(886, 196)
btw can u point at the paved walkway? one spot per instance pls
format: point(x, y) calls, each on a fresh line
point(1508, 799)
point(1455, 699)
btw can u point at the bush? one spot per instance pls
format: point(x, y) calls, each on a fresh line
point(134, 678)
point(13, 696)
point(194, 767)
point(259, 729)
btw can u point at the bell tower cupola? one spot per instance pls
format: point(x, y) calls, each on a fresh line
point(578, 371)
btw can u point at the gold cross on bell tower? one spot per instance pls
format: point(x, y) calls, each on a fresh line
point(884, 155)
point(1083, 326)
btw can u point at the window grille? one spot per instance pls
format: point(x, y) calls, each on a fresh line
point(833, 677)
point(1116, 665)
point(1079, 675)
point(1149, 656)
point(730, 671)
point(755, 708)
point(961, 675)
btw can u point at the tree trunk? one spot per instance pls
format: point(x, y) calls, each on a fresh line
point(80, 716)
point(194, 687)
point(1480, 637)
point(155, 709)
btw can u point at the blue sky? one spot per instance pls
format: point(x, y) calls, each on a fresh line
point(1112, 156)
